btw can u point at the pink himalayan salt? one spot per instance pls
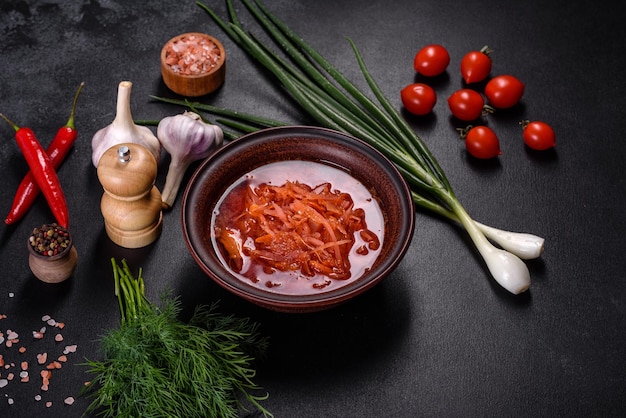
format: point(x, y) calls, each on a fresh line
point(191, 55)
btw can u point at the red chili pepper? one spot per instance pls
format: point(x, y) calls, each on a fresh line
point(28, 190)
point(43, 171)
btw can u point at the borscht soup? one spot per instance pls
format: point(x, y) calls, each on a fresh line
point(297, 228)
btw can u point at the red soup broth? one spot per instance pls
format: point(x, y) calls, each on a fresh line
point(268, 272)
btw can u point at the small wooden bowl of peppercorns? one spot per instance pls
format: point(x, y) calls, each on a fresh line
point(52, 255)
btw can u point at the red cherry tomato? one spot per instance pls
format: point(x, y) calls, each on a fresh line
point(466, 104)
point(538, 135)
point(418, 98)
point(481, 142)
point(476, 65)
point(431, 60)
point(504, 91)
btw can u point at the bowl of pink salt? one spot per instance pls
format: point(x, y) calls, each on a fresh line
point(193, 64)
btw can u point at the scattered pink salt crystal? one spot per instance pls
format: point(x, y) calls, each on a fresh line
point(70, 349)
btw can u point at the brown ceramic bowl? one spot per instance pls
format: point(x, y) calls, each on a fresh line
point(362, 162)
point(193, 85)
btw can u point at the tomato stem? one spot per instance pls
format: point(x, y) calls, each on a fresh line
point(488, 110)
point(464, 131)
point(486, 50)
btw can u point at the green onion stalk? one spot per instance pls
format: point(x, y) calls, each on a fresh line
point(335, 102)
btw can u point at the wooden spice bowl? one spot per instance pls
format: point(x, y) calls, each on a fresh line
point(53, 268)
point(193, 64)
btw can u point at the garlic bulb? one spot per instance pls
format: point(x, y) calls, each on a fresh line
point(123, 129)
point(187, 139)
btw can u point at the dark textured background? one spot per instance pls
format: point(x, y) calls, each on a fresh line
point(438, 337)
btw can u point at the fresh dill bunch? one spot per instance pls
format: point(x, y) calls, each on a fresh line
point(157, 366)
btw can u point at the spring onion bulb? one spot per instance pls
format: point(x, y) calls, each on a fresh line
point(525, 246)
point(336, 103)
point(506, 268)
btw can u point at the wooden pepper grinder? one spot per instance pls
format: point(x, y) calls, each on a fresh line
point(131, 203)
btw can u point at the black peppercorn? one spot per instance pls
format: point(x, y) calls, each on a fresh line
point(50, 239)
